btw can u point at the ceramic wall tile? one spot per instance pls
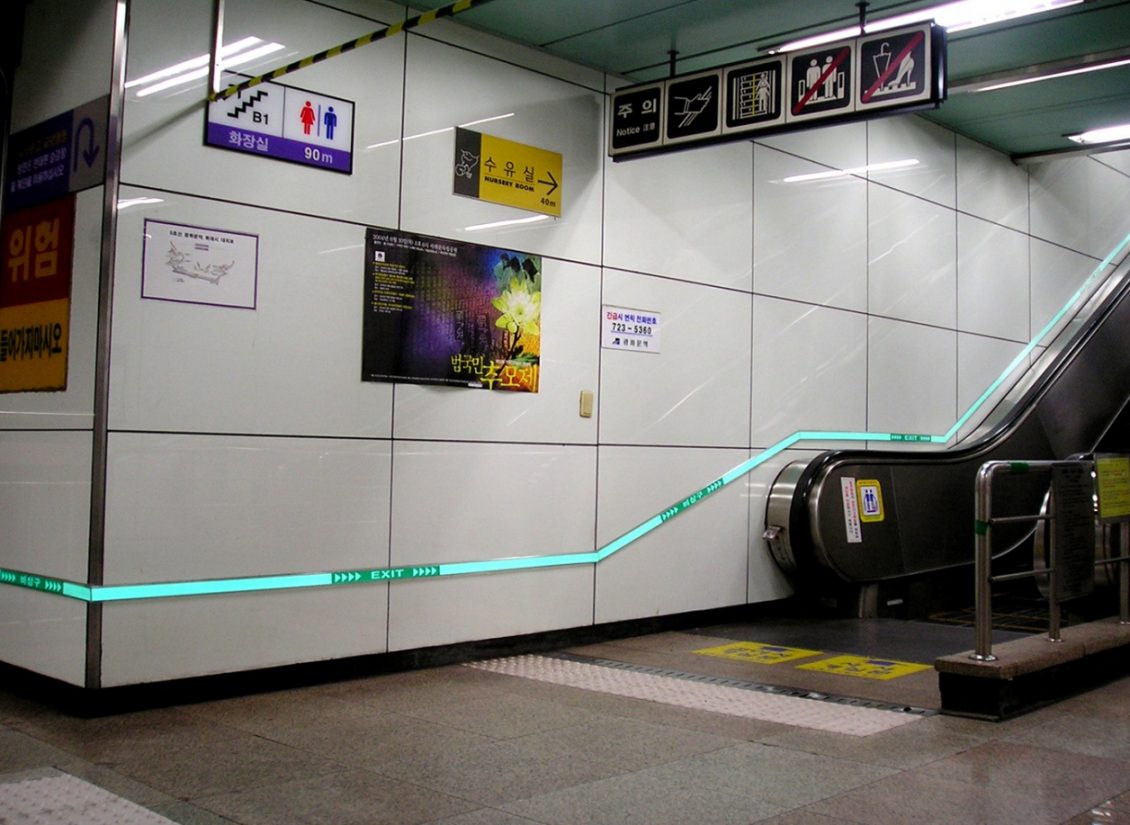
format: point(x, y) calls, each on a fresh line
point(912, 247)
point(695, 390)
point(809, 235)
point(992, 279)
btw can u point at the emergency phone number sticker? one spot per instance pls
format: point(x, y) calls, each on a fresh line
point(631, 329)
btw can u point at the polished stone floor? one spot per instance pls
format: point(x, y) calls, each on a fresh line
point(470, 744)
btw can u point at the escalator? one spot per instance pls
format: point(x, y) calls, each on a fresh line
point(919, 533)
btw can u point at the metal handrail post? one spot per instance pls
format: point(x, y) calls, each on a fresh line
point(983, 586)
point(1124, 574)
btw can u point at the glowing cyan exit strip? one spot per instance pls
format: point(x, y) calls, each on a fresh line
point(161, 590)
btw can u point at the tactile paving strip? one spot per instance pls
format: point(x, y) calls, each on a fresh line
point(48, 797)
point(710, 695)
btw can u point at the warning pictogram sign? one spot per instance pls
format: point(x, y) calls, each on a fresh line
point(693, 104)
point(864, 668)
point(753, 95)
point(820, 82)
point(894, 68)
point(757, 653)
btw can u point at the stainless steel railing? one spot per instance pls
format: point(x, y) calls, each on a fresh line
point(984, 523)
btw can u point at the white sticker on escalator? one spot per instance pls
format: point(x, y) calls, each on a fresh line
point(851, 511)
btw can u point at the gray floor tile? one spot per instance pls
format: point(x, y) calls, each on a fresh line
point(499, 771)
point(337, 799)
point(503, 715)
point(488, 816)
point(234, 763)
point(906, 746)
point(19, 752)
point(909, 797)
point(642, 799)
point(1077, 734)
point(780, 777)
point(1065, 784)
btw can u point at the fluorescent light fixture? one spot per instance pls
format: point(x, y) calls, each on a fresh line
point(232, 55)
point(856, 170)
point(1097, 67)
point(955, 17)
point(439, 131)
point(126, 203)
point(480, 226)
point(1107, 134)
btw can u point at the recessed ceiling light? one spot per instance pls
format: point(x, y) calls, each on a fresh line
point(955, 17)
point(1107, 134)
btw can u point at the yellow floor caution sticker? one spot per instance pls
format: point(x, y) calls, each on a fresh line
point(757, 653)
point(865, 668)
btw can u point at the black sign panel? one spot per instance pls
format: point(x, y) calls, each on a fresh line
point(903, 70)
point(894, 68)
point(753, 95)
point(820, 82)
point(693, 107)
point(636, 118)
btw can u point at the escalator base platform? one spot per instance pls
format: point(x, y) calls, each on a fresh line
point(1033, 672)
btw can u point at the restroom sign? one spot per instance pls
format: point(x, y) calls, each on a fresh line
point(894, 68)
point(870, 496)
point(284, 123)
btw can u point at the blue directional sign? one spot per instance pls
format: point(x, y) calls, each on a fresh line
point(63, 154)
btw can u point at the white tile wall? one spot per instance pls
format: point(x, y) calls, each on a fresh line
point(992, 279)
point(809, 370)
point(695, 391)
point(912, 247)
point(44, 634)
point(906, 137)
point(45, 499)
point(244, 442)
point(163, 143)
point(834, 147)
point(990, 187)
point(687, 215)
point(695, 561)
point(809, 237)
point(449, 87)
point(980, 362)
point(457, 502)
point(195, 367)
point(911, 378)
point(1057, 275)
point(1079, 203)
point(148, 641)
point(186, 507)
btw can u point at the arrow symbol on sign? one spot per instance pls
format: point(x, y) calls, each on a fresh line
point(551, 183)
point(90, 152)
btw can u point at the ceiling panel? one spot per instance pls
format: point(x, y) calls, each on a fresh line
point(632, 39)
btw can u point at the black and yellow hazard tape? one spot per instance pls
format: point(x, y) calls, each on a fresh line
point(449, 10)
